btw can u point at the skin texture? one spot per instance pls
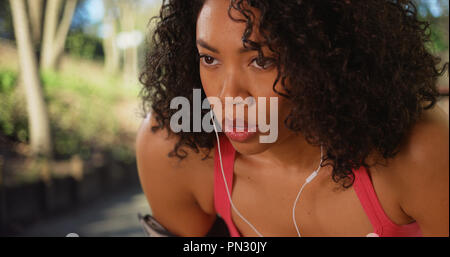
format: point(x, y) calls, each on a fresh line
point(357, 74)
point(411, 186)
point(229, 72)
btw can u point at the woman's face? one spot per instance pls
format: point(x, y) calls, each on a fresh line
point(227, 69)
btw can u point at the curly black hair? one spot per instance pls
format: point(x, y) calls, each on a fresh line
point(359, 71)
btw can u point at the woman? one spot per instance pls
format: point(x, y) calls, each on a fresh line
point(356, 92)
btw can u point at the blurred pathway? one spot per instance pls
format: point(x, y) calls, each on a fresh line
point(110, 215)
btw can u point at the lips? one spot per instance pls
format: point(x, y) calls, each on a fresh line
point(240, 133)
point(238, 125)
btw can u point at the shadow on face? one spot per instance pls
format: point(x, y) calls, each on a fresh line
point(228, 69)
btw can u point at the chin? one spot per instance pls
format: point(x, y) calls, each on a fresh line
point(250, 147)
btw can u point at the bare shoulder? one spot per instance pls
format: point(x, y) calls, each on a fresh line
point(431, 130)
point(427, 143)
point(158, 144)
point(169, 183)
point(421, 172)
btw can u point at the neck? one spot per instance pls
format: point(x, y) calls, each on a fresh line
point(292, 153)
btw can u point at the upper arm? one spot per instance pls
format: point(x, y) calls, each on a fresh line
point(165, 182)
point(425, 185)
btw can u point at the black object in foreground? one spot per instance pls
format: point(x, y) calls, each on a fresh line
point(152, 228)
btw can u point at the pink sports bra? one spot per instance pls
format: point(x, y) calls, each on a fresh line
point(363, 187)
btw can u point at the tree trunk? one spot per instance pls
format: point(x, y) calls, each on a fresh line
point(130, 69)
point(130, 65)
point(63, 28)
point(50, 23)
point(35, 11)
point(55, 34)
point(112, 53)
point(39, 125)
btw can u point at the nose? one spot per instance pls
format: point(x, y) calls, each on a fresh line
point(233, 85)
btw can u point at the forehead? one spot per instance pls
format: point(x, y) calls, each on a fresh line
point(215, 26)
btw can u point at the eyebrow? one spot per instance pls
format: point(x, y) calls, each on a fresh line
point(203, 44)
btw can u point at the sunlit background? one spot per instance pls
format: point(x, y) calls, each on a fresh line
point(69, 112)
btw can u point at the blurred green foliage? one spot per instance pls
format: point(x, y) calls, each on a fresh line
point(79, 44)
point(436, 14)
point(439, 43)
point(13, 121)
point(7, 80)
point(6, 27)
point(81, 115)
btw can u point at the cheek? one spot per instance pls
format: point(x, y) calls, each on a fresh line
point(264, 88)
point(284, 105)
point(262, 84)
point(257, 84)
point(208, 83)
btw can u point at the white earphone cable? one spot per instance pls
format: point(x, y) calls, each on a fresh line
point(308, 180)
point(224, 179)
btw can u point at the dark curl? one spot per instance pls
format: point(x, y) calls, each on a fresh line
point(357, 72)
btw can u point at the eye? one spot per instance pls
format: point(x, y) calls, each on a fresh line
point(265, 64)
point(208, 60)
